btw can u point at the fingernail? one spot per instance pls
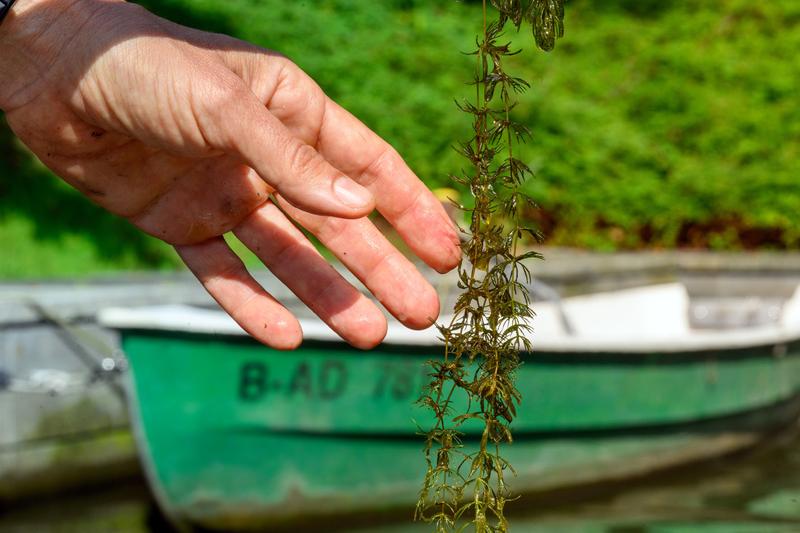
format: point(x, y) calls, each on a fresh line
point(455, 251)
point(351, 193)
point(454, 239)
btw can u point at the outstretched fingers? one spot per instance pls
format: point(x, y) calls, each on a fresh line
point(226, 279)
point(387, 273)
point(293, 259)
point(400, 196)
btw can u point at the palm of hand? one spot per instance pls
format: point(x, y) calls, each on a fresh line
point(190, 135)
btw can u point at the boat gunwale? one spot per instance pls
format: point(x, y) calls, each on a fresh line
point(775, 351)
point(185, 319)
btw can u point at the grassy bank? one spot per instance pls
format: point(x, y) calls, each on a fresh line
point(656, 124)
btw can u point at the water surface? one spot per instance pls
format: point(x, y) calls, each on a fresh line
point(751, 493)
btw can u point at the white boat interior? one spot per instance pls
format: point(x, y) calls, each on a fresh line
point(655, 318)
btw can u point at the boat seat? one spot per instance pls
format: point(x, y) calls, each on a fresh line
point(790, 317)
point(655, 311)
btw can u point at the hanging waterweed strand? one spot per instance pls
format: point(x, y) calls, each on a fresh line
point(491, 318)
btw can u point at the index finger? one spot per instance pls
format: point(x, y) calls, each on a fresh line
point(400, 196)
point(353, 149)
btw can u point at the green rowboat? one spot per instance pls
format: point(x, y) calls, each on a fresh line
point(235, 436)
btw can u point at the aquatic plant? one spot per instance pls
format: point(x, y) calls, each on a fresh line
point(466, 485)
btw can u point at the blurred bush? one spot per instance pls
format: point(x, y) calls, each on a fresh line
point(656, 124)
point(671, 124)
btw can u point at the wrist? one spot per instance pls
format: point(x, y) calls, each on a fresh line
point(33, 36)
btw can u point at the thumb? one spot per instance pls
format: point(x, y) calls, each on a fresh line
point(233, 119)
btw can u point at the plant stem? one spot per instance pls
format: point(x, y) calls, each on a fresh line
point(491, 318)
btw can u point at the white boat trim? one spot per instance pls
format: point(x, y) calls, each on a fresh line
point(642, 320)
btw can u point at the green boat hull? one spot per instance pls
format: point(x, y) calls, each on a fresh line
point(236, 436)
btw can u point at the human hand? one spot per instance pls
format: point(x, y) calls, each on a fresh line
point(189, 135)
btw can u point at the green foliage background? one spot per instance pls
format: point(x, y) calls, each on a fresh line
point(656, 124)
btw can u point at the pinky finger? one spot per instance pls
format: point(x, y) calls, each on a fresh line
point(226, 279)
